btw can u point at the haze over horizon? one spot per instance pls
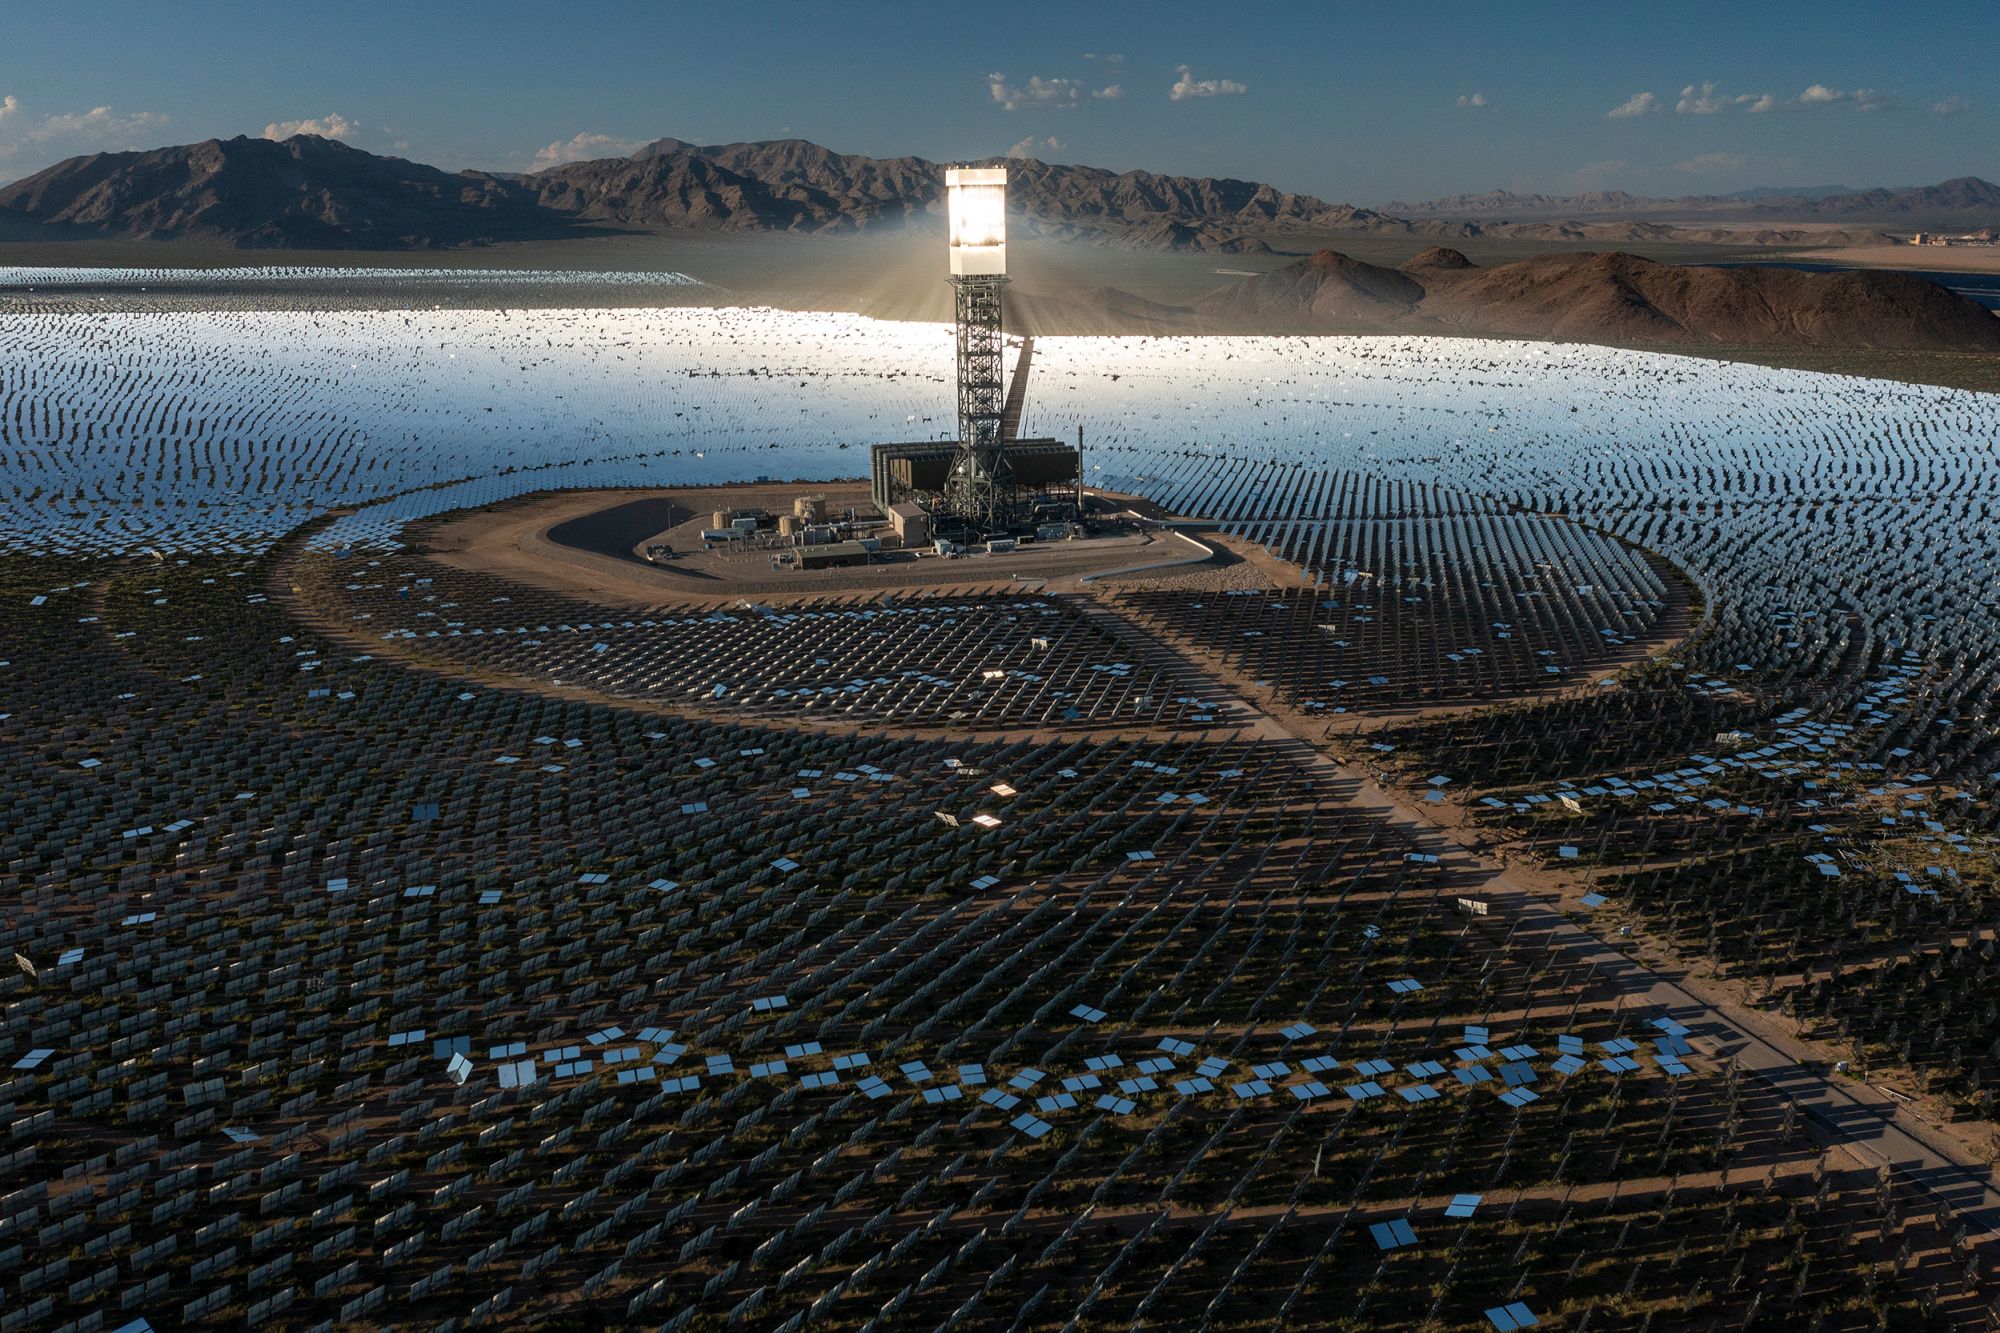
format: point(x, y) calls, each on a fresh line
point(1352, 105)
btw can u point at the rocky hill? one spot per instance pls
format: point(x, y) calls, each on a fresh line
point(680, 190)
point(811, 186)
point(305, 193)
point(1327, 290)
point(1964, 197)
point(863, 190)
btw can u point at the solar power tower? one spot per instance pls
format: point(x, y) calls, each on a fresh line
point(979, 490)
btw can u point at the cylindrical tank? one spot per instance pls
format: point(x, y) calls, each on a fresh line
point(722, 517)
point(788, 525)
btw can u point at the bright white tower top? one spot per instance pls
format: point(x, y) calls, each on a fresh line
point(976, 206)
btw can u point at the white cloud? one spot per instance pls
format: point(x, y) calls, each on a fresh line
point(1861, 99)
point(1638, 104)
point(1040, 92)
point(1706, 162)
point(63, 135)
point(1029, 146)
point(98, 124)
point(581, 148)
point(330, 126)
point(1188, 86)
point(1113, 59)
point(1703, 100)
point(1477, 99)
point(1950, 106)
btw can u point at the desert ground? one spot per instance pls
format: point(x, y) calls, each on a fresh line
point(1936, 258)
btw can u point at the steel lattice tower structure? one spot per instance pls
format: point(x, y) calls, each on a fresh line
point(981, 482)
point(979, 490)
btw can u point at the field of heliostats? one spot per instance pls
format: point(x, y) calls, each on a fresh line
point(1552, 885)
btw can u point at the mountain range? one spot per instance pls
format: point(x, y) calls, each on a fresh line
point(1966, 199)
point(307, 192)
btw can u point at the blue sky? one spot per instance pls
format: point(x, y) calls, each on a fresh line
point(1352, 102)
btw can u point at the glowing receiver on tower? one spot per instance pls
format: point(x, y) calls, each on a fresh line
point(976, 206)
